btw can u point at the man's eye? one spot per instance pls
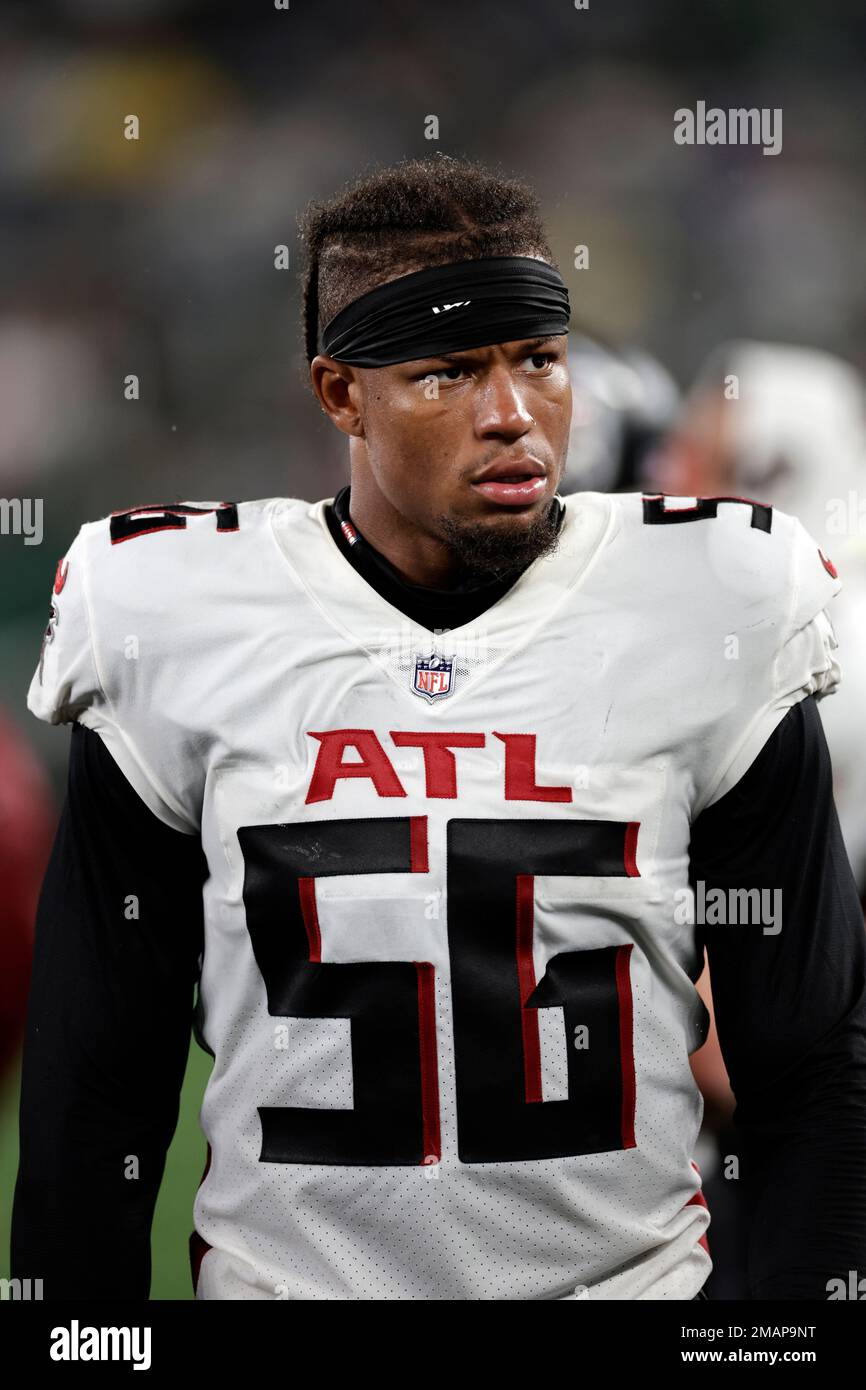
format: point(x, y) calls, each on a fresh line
point(539, 360)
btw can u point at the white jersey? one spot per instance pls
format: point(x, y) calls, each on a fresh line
point(447, 979)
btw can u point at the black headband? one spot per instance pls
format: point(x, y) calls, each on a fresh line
point(448, 308)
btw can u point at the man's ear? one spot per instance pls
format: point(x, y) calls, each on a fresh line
point(338, 391)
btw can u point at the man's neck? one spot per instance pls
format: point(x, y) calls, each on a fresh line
point(430, 607)
point(415, 556)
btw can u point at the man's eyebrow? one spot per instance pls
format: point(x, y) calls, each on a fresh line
point(526, 348)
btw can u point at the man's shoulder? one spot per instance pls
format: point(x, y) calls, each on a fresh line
point(153, 613)
point(709, 532)
point(163, 544)
point(182, 563)
point(159, 581)
point(727, 555)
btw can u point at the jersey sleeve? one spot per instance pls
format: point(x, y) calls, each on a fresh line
point(805, 661)
point(69, 682)
point(65, 681)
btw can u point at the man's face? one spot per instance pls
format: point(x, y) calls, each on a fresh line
point(445, 434)
point(468, 448)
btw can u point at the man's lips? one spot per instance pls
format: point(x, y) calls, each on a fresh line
point(517, 494)
point(512, 482)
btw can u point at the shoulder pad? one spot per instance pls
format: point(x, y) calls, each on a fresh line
point(128, 604)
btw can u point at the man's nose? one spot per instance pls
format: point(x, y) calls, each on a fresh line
point(500, 408)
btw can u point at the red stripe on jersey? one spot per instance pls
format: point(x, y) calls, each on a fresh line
point(626, 1044)
point(310, 914)
point(630, 853)
point(526, 982)
point(418, 844)
point(431, 1138)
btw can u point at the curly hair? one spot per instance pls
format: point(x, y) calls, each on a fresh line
point(414, 214)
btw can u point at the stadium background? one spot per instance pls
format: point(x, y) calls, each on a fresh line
point(156, 257)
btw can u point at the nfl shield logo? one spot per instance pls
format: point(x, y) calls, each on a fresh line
point(434, 676)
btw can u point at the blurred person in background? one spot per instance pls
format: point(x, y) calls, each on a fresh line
point(625, 401)
point(787, 426)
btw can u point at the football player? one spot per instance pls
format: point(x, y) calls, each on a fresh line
point(429, 786)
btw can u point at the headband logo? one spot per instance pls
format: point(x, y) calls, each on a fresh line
point(443, 308)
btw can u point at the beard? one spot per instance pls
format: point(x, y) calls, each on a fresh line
point(486, 553)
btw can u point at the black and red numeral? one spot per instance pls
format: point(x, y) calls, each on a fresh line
point(501, 1117)
point(495, 997)
point(657, 513)
point(170, 516)
point(393, 1119)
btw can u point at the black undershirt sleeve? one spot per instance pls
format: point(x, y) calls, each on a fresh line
point(119, 936)
point(791, 1012)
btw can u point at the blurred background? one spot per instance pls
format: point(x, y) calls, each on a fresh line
point(156, 257)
